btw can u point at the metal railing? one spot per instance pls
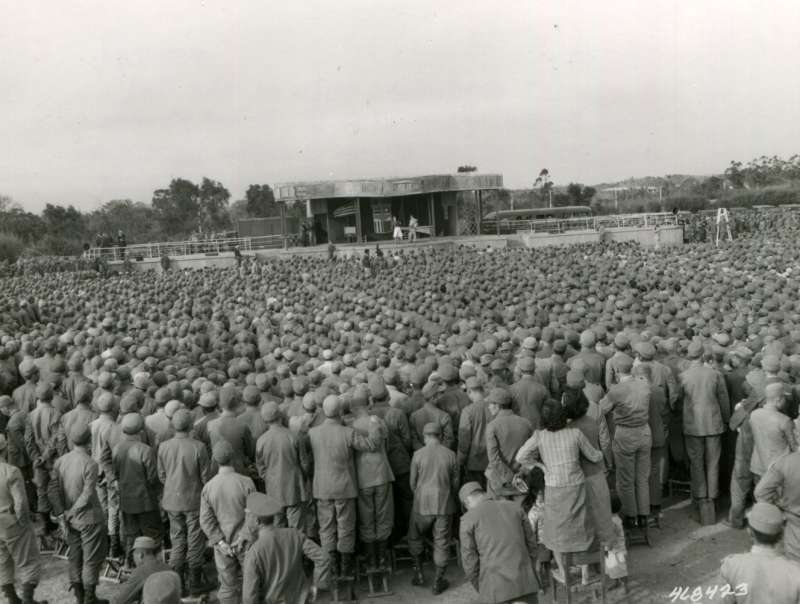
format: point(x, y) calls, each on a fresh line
point(186, 248)
point(585, 223)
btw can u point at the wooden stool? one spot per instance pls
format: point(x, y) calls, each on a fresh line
point(575, 585)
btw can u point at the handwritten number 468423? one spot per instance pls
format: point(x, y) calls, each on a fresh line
point(698, 594)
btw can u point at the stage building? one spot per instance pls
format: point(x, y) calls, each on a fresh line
point(362, 210)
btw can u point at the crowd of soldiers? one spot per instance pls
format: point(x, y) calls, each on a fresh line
point(306, 410)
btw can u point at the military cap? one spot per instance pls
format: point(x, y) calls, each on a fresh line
point(182, 420)
point(141, 380)
point(251, 395)
point(498, 365)
point(624, 363)
point(474, 383)
point(766, 518)
point(432, 428)
point(208, 400)
point(419, 376)
point(645, 349)
point(468, 489)
point(270, 411)
point(105, 402)
point(575, 379)
point(499, 396)
point(27, 368)
point(529, 343)
point(80, 434)
point(447, 373)
point(377, 388)
point(6, 401)
point(527, 364)
point(44, 391)
point(105, 379)
point(228, 397)
point(621, 341)
point(163, 587)
point(262, 505)
point(75, 362)
point(695, 350)
point(330, 406)
point(588, 338)
point(770, 363)
point(172, 407)
point(222, 453)
point(132, 423)
point(144, 543)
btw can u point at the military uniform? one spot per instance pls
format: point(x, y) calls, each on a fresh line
point(183, 468)
point(706, 412)
point(105, 435)
point(233, 430)
point(430, 413)
point(45, 441)
point(19, 549)
point(283, 464)
point(374, 478)
point(334, 486)
point(505, 434)
point(527, 396)
point(630, 402)
point(273, 567)
point(73, 492)
point(434, 480)
point(498, 552)
point(222, 518)
point(472, 456)
point(136, 472)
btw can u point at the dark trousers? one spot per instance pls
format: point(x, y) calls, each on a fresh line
point(704, 453)
point(188, 540)
point(403, 503)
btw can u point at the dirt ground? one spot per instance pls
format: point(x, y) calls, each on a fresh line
point(683, 554)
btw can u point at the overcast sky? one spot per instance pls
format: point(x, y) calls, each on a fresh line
point(102, 99)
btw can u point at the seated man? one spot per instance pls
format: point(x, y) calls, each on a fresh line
point(144, 557)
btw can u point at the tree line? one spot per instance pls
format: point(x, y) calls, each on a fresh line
point(175, 212)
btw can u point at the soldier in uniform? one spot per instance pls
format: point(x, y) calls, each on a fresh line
point(762, 574)
point(498, 548)
point(629, 401)
point(528, 394)
point(434, 480)
point(472, 456)
point(222, 518)
point(82, 414)
point(706, 412)
point(430, 413)
point(135, 469)
point(374, 478)
point(283, 464)
point(334, 486)
point(73, 495)
point(147, 565)
point(106, 434)
point(45, 441)
point(183, 469)
point(273, 566)
point(505, 434)
point(19, 549)
point(230, 428)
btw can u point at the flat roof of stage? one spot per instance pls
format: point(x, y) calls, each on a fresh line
point(386, 187)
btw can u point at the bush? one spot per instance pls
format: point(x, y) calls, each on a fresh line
point(11, 247)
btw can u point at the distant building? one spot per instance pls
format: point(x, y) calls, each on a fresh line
point(362, 210)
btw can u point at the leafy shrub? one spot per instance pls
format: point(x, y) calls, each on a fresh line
point(11, 247)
